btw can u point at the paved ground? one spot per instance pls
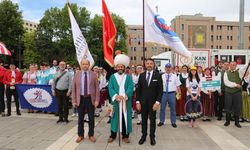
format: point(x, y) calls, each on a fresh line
point(40, 131)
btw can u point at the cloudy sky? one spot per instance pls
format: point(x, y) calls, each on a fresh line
point(131, 10)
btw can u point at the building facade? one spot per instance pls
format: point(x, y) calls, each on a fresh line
point(29, 26)
point(197, 31)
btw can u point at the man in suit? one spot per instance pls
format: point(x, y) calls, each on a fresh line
point(149, 93)
point(85, 96)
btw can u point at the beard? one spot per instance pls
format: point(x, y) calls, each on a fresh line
point(120, 72)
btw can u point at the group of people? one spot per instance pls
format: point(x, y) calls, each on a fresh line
point(136, 90)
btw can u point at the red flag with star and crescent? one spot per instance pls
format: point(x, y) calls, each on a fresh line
point(109, 35)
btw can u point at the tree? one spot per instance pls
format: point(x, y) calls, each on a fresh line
point(30, 52)
point(54, 34)
point(11, 26)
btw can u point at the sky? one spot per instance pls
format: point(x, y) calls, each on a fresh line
point(131, 10)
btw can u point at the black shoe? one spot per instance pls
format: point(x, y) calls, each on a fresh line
point(238, 125)
point(142, 140)
point(66, 121)
point(59, 121)
point(160, 124)
point(18, 113)
point(174, 125)
point(8, 115)
point(152, 141)
point(227, 123)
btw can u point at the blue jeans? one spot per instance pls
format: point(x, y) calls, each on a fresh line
point(171, 100)
point(193, 105)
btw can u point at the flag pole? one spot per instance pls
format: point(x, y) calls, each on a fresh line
point(143, 47)
point(119, 130)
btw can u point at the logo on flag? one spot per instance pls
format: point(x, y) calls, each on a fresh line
point(38, 97)
point(157, 31)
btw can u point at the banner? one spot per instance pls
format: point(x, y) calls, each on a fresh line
point(214, 84)
point(82, 50)
point(4, 50)
point(157, 31)
point(37, 97)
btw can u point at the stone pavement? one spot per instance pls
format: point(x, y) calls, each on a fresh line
point(40, 131)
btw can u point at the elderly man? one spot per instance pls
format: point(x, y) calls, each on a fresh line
point(61, 88)
point(85, 95)
point(233, 90)
point(121, 91)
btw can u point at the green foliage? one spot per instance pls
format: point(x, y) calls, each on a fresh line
point(11, 26)
point(30, 52)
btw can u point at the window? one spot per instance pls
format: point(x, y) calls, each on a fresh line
point(212, 38)
point(30, 29)
point(134, 58)
point(220, 37)
point(228, 27)
point(31, 25)
point(219, 27)
point(228, 38)
point(217, 37)
point(182, 37)
point(145, 49)
point(35, 26)
point(231, 47)
point(231, 27)
point(131, 58)
point(182, 27)
point(249, 38)
point(142, 58)
point(227, 47)
point(217, 47)
point(166, 49)
point(134, 48)
point(212, 28)
point(212, 47)
point(231, 38)
point(220, 47)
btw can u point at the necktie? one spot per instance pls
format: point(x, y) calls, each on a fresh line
point(148, 78)
point(167, 82)
point(85, 84)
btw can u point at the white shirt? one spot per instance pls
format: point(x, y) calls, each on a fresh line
point(173, 82)
point(194, 86)
point(151, 72)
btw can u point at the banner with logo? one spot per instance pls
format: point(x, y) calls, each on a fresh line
point(214, 84)
point(37, 97)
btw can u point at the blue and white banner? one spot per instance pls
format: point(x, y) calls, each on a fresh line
point(37, 97)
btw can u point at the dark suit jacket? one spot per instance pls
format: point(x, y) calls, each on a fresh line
point(148, 95)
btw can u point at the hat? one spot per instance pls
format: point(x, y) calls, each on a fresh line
point(96, 67)
point(193, 68)
point(168, 65)
point(121, 59)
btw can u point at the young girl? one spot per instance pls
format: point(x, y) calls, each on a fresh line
point(193, 85)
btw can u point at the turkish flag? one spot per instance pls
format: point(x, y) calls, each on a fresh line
point(109, 35)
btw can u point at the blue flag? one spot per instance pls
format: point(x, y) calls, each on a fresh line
point(37, 97)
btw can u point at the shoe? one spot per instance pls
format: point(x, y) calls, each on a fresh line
point(208, 119)
point(79, 139)
point(66, 121)
point(8, 115)
point(160, 124)
point(109, 121)
point(182, 119)
point(92, 139)
point(174, 125)
point(126, 140)
point(18, 113)
point(152, 141)
point(238, 125)
point(73, 115)
point(142, 140)
point(204, 119)
point(138, 122)
point(3, 115)
point(110, 140)
point(59, 121)
point(227, 123)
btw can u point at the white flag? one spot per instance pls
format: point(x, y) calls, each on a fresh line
point(157, 31)
point(82, 50)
